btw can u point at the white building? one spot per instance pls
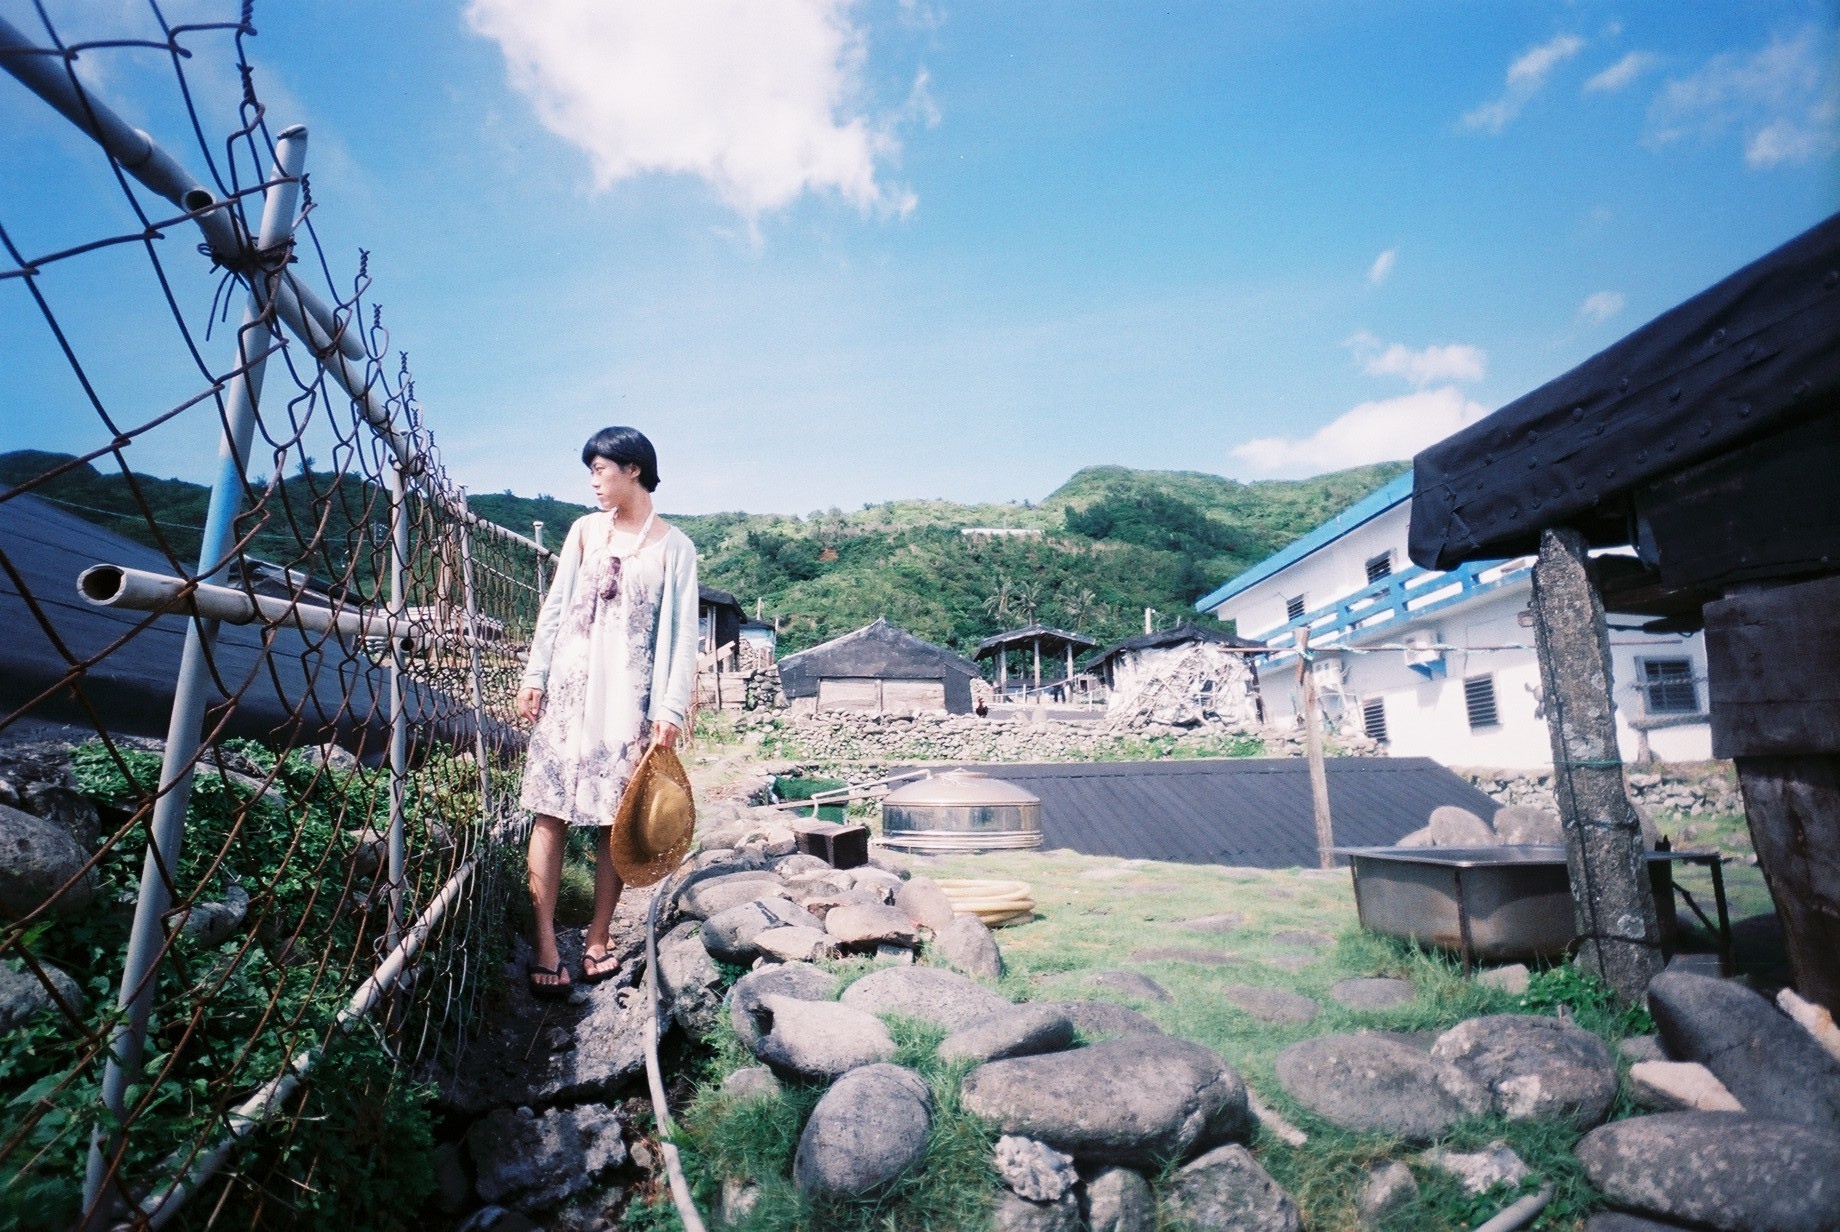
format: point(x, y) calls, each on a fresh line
point(1467, 692)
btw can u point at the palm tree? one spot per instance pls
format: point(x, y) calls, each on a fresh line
point(999, 603)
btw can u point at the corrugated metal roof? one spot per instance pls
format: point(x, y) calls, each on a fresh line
point(1246, 811)
point(1364, 510)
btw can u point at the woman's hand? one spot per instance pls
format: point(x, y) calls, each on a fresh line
point(530, 703)
point(665, 734)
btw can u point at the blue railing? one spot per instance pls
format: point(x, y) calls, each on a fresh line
point(1406, 595)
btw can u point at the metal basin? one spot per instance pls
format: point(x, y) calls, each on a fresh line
point(961, 810)
point(1489, 904)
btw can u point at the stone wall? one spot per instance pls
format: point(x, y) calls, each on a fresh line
point(1680, 789)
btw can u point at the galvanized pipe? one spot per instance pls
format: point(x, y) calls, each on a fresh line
point(472, 650)
point(136, 590)
point(147, 940)
point(399, 719)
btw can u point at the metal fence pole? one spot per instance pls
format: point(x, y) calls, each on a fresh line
point(399, 718)
point(472, 649)
point(537, 533)
point(147, 941)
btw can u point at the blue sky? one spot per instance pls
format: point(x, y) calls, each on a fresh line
point(829, 253)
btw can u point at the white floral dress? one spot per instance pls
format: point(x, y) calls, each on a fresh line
point(594, 728)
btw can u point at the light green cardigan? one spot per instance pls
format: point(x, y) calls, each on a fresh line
point(675, 636)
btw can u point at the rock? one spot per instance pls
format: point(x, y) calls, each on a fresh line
point(1131, 984)
point(818, 1039)
point(1096, 1020)
point(1304, 937)
point(1511, 979)
point(1723, 1170)
point(1129, 1100)
point(1012, 1213)
point(1119, 1200)
point(1525, 823)
point(721, 838)
point(821, 905)
point(867, 1130)
point(773, 840)
point(1163, 953)
point(739, 1197)
point(751, 1082)
point(688, 978)
point(1641, 1048)
point(1374, 993)
point(867, 927)
point(883, 882)
point(729, 935)
point(453, 1183)
point(792, 979)
point(1480, 1171)
point(1273, 1005)
point(1015, 1031)
point(1619, 1221)
point(496, 1219)
point(23, 996)
point(1369, 1082)
point(1389, 1189)
point(925, 903)
point(1225, 922)
point(531, 1162)
point(787, 866)
point(968, 944)
point(1768, 1062)
point(39, 777)
point(1529, 1068)
point(36, 858)
point(1033, 1170)
point(211, 924)
point(1226, 1188)
point(795, 944)
point(804, 887)
point(1420, 837)
point(1679, 1086)
point(943, 998)
point(719, 894)
point(609, 1049)
point(1451, 826)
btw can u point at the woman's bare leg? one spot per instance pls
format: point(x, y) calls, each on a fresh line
point(607, 887)
point(548, 838)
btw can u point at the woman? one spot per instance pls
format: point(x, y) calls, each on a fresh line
point(612, 666)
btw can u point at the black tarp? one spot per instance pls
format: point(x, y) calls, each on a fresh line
point(1755, 355)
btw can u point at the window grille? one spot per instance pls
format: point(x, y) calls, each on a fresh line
point(1293, 607)
point(1373, 718)
point(1479, 699)
point(1380, 566)
point(1668, 686)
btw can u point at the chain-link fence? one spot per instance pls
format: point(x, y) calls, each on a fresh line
point(257, 747)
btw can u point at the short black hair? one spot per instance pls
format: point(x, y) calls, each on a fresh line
point(624, 447)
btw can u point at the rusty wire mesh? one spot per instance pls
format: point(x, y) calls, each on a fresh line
point(281, 906)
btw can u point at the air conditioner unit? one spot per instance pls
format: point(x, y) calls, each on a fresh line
point(1422, 655)
point(1329, 670)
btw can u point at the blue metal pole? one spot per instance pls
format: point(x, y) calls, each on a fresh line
point(147, 941)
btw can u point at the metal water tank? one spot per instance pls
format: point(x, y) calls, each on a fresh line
point(961, 810)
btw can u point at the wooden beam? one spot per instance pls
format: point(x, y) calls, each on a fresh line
point(1613, 904)
point(1313, 748)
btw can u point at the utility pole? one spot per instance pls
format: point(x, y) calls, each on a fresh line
point(1313, 749)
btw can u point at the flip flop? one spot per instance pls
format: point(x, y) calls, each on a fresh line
point(556, 990)
point(590, 960)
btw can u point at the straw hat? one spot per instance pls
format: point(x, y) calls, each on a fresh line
point(656, 817)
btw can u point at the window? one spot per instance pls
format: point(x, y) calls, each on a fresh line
point(1293, 608)
point(1479, 699)
point(1668, 687)
point(1380, 566)
point(1373, 718)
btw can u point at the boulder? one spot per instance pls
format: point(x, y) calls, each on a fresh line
point(1013, 1213)
point(1369, 1082)
point(1622, 1221)
point(1033, 1170)
point(1764, 1058)
point(1679, 1086)
point(719, 894)
point(1131, 1100)
point(210, 924)
point(1273, 1005)
point(795, 944)
point(531, 1162)
point(39, 777)
point(1722, 1170)
point(1512, 979)
point(792, 979)
point(729, 935)
point(751, 1082)
point(943, 998)
point(787, 866)
point(1096, 1020)
point(1528, 1068)
point(773, 840)
point(818, 1039)
point(1389, 1188)
point(1226, 1188)
point(880, 880)
point(866, 1131)
point(1375, 993)
point(688, 978)
point(1119, 1200)
point(968, 944)
point(1519, 824)
point(36, 858)
point(925, 903)
point(23, 996)
point(1451, 826)
point(1015, 1031)
point(1636, 1048)
point(1479, 1171)
point(821, 905)
point(868, 927)
point(1131, 984)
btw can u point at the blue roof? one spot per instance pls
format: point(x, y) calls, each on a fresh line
point(1362, 511)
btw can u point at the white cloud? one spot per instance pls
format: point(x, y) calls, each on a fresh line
point(1526, 78)
point(1456, 362)
point(1382, 268)
point(1783, 99)
point(761, 98)
point(1620, 74)
point(1600, 306)
point(1372, 432)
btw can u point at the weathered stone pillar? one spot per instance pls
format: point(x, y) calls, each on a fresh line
point(1619, 937)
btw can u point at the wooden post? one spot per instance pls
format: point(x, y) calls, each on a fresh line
point(1038, 669)
point(1003, 672)
point(1313, 747)
point(1613, 904)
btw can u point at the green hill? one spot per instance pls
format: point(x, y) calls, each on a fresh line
point(1114, 541)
